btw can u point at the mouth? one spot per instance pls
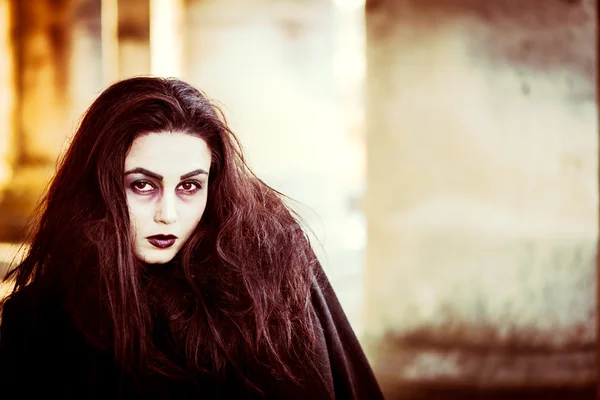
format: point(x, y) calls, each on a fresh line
point(162, 241)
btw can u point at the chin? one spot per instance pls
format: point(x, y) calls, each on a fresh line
point(163, 258)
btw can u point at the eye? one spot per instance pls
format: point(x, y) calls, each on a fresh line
point(190, 187)
point(142, 186)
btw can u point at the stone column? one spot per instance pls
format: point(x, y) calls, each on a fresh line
point(133, 38)
point(86, 66)
point(42, 37)
point(166, 37)
point(125, 39)
point(482, 201)
point(7, 94)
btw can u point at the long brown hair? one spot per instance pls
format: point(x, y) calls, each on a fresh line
point(238, 292)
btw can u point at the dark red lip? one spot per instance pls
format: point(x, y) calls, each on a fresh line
point(162, 241)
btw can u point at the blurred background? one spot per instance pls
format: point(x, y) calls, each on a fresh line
point(444, 153)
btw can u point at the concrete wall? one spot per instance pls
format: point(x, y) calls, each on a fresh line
point(482, 138)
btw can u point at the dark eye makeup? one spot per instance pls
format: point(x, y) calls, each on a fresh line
point(146, 187)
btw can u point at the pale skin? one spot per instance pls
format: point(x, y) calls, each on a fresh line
point(166, 183)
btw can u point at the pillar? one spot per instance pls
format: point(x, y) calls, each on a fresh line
point(86, 79)
point(142, 37)
point(7, 94)
point(42, 39)
point(125, 39)
point(167, 28)
point(482, 199)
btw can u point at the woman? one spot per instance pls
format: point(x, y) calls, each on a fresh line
point(161, 267)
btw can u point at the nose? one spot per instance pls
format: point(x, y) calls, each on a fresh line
point(166, 212)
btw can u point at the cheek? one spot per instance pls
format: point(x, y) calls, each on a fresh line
point(194, 213)
point(137, 214)
point(133, 224)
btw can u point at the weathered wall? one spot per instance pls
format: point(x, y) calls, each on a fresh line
point(482, 138)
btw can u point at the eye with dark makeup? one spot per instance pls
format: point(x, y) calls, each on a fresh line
point(140, 187)
point(193, 186)
point(187, 187)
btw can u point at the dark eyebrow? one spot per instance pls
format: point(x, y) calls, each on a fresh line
point(160, 177)
point(145, 172)
point(194, 172)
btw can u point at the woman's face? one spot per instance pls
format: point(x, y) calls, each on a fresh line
point(166, 182)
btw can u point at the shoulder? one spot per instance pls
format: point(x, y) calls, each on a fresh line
point(18, 303)
point(323, 296)
point(349, 372)
point(31, 295)
point(30, 306)
point(36, 327)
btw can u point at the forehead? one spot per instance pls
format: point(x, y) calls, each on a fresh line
point(165, 152)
